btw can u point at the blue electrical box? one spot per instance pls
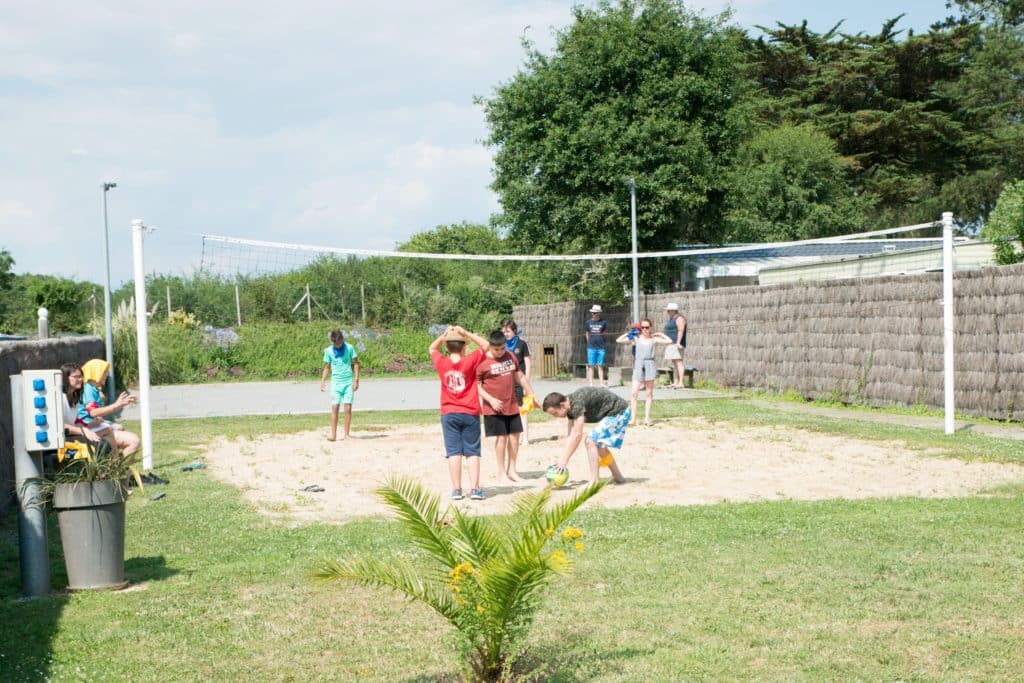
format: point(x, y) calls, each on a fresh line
point(42, 409)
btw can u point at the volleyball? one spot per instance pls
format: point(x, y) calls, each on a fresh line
point(605, 460)
point(557, 477)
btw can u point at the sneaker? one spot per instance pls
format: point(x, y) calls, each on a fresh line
point(154, 480)
point(456, 494)
point(477, 494)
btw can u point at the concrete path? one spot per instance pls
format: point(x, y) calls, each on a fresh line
point(284, 398)
point(382, 394)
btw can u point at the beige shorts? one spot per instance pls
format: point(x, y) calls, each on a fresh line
point(674, 352)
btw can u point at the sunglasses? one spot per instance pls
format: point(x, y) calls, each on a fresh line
point(645, 327)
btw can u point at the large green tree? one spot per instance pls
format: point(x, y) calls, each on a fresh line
point(883, 100)
point(1007, 224)
point(788, 183)
point(638, 89)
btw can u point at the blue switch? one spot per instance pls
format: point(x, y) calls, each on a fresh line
point(41, 420)
point(42, 437)
point(38, 384)
point(39, 402)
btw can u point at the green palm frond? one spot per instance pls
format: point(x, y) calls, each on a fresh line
point(475, 538)
point(513, 592)
point(419, 512)
point(557, 515)
point(398, 575)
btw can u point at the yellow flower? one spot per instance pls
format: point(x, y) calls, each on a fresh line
point(457, 573)
point(549, 532)
point(579, 547)
point(558, 559)
point(571, 533)
point(480, 609)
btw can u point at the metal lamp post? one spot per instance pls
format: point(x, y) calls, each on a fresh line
point(106, 296)
point(636, 279)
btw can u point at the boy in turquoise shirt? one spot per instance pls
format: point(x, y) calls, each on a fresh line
point(342, 364)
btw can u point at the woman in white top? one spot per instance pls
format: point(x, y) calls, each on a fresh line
point(73, 381)
point(645, 365)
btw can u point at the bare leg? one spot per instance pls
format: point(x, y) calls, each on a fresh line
point(649, 399)
point(348, 420)
point(678, 364)
point(600, 376)
point(501, 446)
point(590, 375)
point(513, 454)
point(455, 470)
point(128, 442)
point(334, 423)
point(524, 437)
point(632, 401)
point(613, 467)
point(474, 471)
point(593, 456)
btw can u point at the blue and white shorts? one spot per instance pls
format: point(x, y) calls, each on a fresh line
point(610, 431)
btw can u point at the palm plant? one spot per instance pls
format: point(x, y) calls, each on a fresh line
point(484, 575)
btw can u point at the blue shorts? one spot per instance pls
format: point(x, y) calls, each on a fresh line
point(341, 393)
point(595, 356)
point(610, 431)
point(461, 434)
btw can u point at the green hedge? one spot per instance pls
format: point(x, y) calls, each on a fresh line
point(268, 351)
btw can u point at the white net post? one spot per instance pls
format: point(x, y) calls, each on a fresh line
point(142, 329)
point(947, 318)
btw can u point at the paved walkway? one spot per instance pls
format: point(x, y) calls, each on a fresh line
point(285, 398)
point(381, 394)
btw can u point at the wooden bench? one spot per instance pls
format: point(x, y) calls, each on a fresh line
point(688, 372)
point(617, 376)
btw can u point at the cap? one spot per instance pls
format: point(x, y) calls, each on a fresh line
point(672, 307)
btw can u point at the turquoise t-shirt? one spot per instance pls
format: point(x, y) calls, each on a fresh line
point(340, 361)
point(91, 398)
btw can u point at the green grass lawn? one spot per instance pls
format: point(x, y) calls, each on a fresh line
point(904, 589)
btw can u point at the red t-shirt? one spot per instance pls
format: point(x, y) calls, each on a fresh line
point(458, 382)
point(498, 376)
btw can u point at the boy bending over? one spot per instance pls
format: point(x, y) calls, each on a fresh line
point(590, 405)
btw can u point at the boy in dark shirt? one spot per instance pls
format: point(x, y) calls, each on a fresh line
point(592, 405)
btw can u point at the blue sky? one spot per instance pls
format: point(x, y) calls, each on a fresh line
point(315, 121)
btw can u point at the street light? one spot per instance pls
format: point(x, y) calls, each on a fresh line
point(106, 296)
point(636, 279)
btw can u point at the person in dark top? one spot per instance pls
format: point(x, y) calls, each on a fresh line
point(607, 412)
point(594, 330)
point(675, 330)
point(518, 347)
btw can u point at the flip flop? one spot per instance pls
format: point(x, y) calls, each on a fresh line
point(314, 488)
point(193, 466)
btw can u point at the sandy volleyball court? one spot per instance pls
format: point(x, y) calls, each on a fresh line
point(673, 462)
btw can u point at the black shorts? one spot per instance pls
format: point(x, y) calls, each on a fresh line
point(502, 425)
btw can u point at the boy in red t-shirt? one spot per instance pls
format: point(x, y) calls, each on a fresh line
point(497, 376)
point(460, 405)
